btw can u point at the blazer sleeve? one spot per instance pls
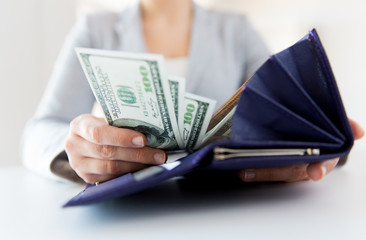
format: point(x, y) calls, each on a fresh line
point(66, 96)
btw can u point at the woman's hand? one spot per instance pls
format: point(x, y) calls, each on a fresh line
point(99, 152)
point(314, 171)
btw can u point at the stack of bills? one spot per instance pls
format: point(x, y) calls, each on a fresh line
point(135, 92)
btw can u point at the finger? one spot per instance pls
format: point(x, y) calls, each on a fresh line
point(85, 166)
point(317, 171)
point(279, 174)
point(358, 131)
point(96, 178)
point(145, 155)
point(96, 130)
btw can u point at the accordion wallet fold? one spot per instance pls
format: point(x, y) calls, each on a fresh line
point(291, 103)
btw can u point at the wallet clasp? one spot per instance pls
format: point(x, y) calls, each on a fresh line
point(227, 153)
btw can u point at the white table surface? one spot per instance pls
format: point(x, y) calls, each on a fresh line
point(334, 208)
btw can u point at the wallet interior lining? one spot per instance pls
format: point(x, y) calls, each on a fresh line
point(268, 119)
point(287, 93)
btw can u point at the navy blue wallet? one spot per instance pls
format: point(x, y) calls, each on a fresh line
point(290, 110)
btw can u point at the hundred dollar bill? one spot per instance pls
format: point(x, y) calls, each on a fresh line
point(177, 87)
point(133, 92)
point(197, 114)
point(221, 131)
point(226, 109)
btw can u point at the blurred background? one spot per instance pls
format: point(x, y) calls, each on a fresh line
point(32, 32)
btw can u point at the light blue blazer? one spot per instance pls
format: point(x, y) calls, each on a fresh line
point(224, 52)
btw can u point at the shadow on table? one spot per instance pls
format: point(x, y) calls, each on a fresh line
point(202, 192)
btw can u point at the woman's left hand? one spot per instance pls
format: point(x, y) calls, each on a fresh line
point(313, 171)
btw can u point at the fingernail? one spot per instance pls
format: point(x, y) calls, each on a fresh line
point(138, 141)
point(159, 158)
point(324, 170)
point(249, 175)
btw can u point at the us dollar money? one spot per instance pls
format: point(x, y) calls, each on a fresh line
point(221, 131)
point(133, 91)
point(226, 109)
point(177, 86)
point(196, 117)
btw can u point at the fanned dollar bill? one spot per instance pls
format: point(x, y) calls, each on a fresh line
point(226, 109)
point(197, 114)
point(177, 87)
point(221, 131)
point(134, 93)
point(221, 122)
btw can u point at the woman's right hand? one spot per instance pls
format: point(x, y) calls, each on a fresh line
point(99, 152)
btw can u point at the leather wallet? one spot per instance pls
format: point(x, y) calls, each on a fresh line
point(290, 112)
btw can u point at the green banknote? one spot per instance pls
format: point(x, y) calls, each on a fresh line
point(134, 92)
point(220, 131)
point(177, 87)
point(197, 113)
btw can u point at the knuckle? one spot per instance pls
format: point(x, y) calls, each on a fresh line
point(111, 167)
point(78, 124)
point(95, 134)
point(83, 117)
point(74, 164)
point(139, 155)
point(106, 151)
point(69, 145)
point(75, 123)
